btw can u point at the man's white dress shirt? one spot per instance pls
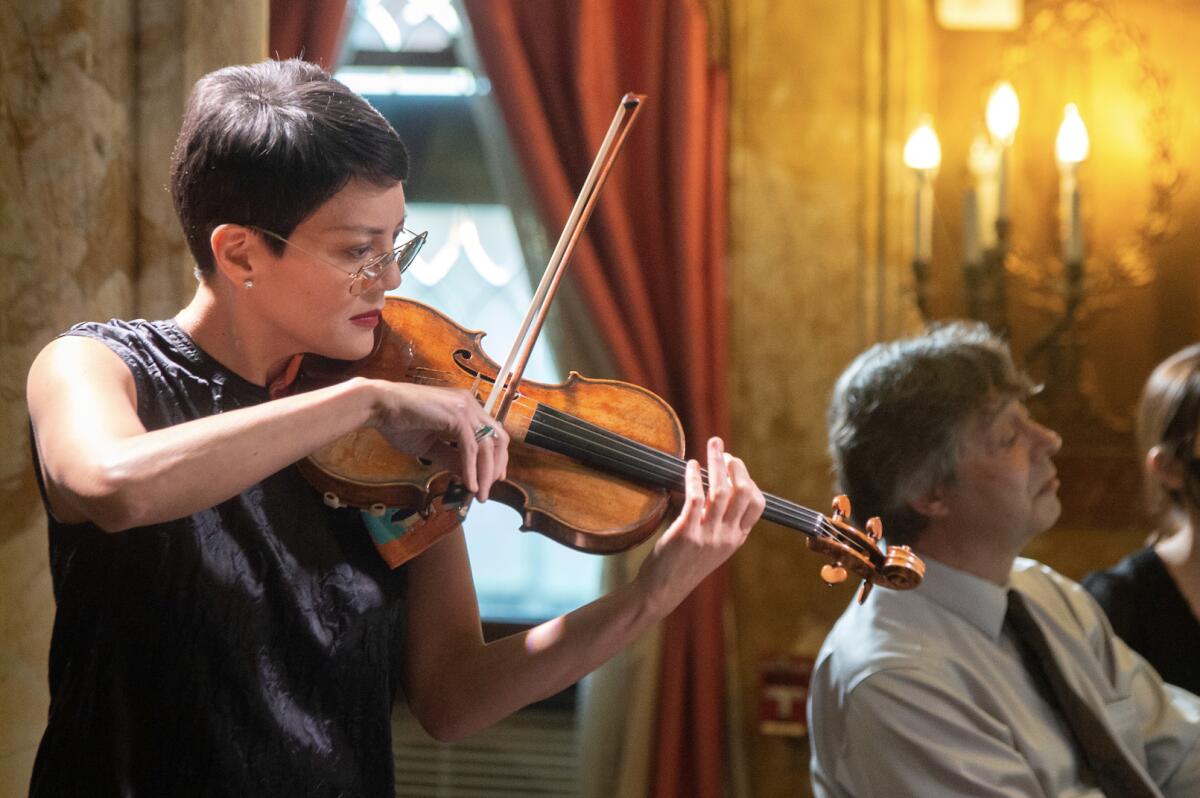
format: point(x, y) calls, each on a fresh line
point(924, 693)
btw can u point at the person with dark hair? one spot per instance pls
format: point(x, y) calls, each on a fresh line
point(1152, 597)
point(220, 630)
point(997, 676)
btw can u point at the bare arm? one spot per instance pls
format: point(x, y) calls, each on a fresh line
point(457, 685)
point(100, 463)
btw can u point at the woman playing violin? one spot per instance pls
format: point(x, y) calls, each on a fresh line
point(219, 629)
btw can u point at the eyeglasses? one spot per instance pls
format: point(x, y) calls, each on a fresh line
point(368, 272)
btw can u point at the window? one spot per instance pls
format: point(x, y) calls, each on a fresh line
point(403, 56)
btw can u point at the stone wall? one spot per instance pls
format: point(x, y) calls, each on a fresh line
point(90, 98)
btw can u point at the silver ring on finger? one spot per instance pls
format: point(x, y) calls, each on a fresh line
point(484, 431)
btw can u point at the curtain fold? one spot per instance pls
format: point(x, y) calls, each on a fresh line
point(651, 267)
point(308, 29)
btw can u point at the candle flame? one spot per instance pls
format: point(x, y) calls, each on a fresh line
point(1072, 144)
point(1003, 112)
point(923, 150)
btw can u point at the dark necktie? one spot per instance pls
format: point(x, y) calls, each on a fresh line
point(1115, 774)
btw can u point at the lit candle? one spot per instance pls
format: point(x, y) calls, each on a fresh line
point(1003, 114)
point(1071, 149)
point(923, 154)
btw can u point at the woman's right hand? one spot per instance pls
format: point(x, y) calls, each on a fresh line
point(442, 424)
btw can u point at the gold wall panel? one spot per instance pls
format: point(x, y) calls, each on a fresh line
point(824, 95)
point(816, 275)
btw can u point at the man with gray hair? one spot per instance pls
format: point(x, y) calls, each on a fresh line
point(997, 676)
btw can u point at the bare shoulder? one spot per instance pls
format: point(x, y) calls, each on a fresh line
point(82, 398)
point(71, 364)
point(80, 391)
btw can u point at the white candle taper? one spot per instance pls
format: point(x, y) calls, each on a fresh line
point(923, 154)
point(983, 161)
point(1071, 149)
point(1003, 115)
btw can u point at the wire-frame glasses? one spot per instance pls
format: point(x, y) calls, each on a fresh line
point(369, 271)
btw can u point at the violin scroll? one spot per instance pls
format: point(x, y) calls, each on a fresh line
point(902, 569)
point(853, 550)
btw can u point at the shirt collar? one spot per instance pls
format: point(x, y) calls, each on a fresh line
point(976, 600)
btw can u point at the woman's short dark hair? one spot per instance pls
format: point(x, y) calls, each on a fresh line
point(269, 143)
point(1168, 417)
point(898, 413)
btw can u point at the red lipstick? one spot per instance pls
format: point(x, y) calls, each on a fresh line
point(368, 320)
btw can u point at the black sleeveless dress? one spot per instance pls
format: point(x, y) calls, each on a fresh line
point(1148, 612)
point(251, 649)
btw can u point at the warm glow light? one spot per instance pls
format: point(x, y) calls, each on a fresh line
point(982, 158)
point(1003, 112)
point(1071, 146)
point(923, 150)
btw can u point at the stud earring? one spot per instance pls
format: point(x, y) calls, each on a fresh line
point(247, 283)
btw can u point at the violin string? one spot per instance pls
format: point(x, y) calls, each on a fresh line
point(787, 512)
point(793, 514)
point(659, 466)
point(674, 466)
point(800, 517)
point(656, 464)
point(448, 382)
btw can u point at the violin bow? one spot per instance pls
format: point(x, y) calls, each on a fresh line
point(504, 389)
point(509, 377)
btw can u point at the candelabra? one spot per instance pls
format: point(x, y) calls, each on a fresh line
point(987, 246)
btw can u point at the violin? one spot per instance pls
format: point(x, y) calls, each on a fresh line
point(593, 464)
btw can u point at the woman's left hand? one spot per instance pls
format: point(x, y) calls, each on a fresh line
point(710, 527)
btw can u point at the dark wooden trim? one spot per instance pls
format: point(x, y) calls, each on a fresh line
point(443, 59)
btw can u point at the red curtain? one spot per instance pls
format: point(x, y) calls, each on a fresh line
point(652, 266)
point(308, 29)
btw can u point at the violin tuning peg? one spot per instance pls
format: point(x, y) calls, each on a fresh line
point(833, 574)
point(875, 528)
point(864, 590)
point(841, 506)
